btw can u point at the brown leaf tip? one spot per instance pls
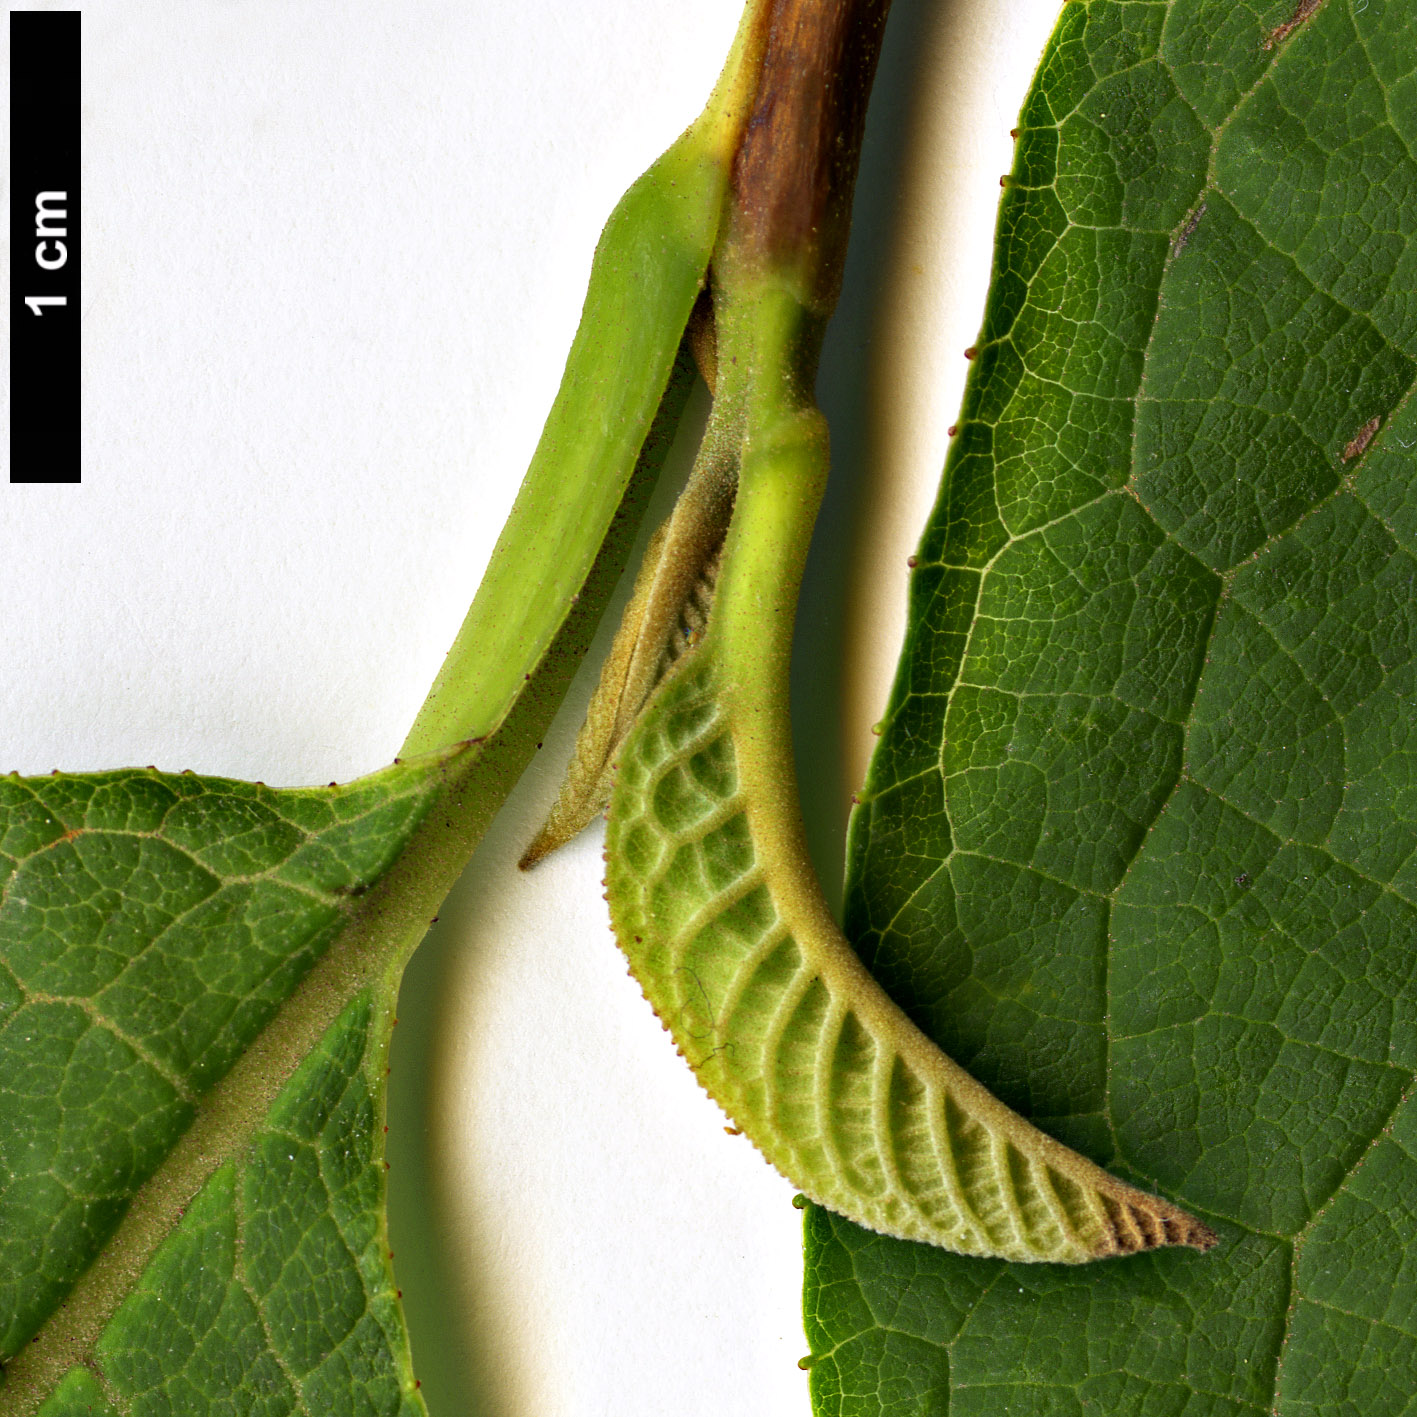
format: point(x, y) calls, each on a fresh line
point(1137, 1222)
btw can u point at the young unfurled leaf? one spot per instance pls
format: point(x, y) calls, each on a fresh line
point(1138, 842)
point(801, 1047)
point(710, 889)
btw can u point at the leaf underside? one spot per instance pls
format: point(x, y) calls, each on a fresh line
point(151, 925)
point(1139, 843)
point(801, 1049)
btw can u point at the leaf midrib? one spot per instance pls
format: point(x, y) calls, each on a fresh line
point(369, 952)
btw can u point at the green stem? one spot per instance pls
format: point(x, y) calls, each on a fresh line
point(777, 274)
point(650, 265)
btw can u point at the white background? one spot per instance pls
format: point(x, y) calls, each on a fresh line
point(333, 258)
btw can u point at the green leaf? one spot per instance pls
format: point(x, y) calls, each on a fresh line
point(151, 927)
point(1139, 843)
point(275, 1292)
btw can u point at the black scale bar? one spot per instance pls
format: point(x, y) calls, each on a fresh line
point(44, 246)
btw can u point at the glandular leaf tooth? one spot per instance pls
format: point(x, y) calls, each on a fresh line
point(801, 1047)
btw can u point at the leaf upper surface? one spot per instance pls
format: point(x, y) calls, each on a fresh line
point(274, 1294)
point(1139, 842)
point(150, 927)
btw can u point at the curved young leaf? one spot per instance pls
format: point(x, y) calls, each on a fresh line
point(1138, 843)
point(716, 905)
point(804, 1051)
